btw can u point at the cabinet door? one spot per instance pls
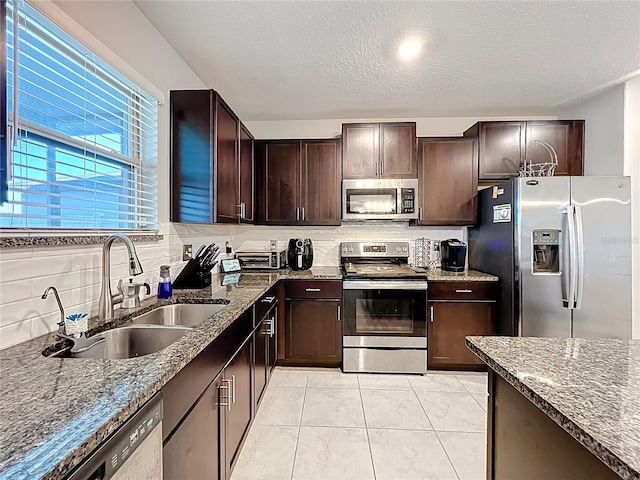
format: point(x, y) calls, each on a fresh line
point(313, 332)
point(501, 149)
point(261, 340)
point(272, 348)
point(281, 183)
point(448, 176)
point(564, 136)
point(246, 175)
point(226, 130)
point(192, 452)
point(449, 323)
point(360, 150)
point(238, 378)
point(191, 156)
point(398, 150)
point(320, 189)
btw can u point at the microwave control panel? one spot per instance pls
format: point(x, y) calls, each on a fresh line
point(408, 200)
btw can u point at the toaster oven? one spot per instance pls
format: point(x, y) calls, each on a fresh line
point(262, 260)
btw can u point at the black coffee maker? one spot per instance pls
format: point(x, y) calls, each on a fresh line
point(300, 253)
point(453, 255)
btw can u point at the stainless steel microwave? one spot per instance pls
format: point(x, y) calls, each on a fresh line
point(380, 199)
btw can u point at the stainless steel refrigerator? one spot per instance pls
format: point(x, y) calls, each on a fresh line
point(562, 249)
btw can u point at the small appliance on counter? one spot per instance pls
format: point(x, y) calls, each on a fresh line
point(300, 253)
point(453, 253)
point(197, 272)
point(262, 260)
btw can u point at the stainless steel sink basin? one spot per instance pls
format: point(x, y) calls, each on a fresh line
point(180, 314)
point(133, 341)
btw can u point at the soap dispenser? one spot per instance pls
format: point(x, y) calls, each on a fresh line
point(165, 288)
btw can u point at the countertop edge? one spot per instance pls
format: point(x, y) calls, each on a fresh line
point(607, 457)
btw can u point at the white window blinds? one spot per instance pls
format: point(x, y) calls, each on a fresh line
point(84, 143)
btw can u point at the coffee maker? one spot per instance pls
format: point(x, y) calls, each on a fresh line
point(453, 254)
point(300, 253)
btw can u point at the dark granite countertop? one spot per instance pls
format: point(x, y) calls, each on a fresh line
point(54, 411)
point(591, 388)
point(439, 275)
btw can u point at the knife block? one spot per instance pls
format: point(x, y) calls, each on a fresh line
point(193, 276)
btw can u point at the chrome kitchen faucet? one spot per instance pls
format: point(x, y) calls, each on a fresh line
point(61, 329)
point(107, 299)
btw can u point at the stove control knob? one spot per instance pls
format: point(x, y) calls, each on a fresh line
point(350, 249)
point(404, 249)
point(344, 250)
point(398, 249)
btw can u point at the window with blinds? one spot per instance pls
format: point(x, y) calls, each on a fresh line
point(83, 137)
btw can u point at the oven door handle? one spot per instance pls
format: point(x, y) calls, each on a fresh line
point(384, 285)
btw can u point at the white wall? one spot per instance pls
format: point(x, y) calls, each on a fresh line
point(632, 168)
point(604, 131)
point(425, 127)
point(75, 271)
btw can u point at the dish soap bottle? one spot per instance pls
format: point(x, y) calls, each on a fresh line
point(164, 283)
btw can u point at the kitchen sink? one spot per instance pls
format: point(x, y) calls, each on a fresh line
point(126, 342)
point(186, 314)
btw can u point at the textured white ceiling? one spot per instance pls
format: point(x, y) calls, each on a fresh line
point(290, 60)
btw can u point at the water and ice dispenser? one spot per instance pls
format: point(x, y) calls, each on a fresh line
point(546, 251)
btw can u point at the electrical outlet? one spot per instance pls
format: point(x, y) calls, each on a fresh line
point(187, 252)
point(227, 247)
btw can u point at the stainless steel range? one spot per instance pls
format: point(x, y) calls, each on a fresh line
point(384, 309)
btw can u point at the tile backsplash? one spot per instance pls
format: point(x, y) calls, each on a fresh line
point(75, 270)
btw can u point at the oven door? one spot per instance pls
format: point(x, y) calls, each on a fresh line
point(384, 313)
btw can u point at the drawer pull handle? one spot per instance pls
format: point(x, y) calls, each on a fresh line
point(268, 299)
point(431, 308)
point(227, 396)
point(464, 290)
point(313, 289)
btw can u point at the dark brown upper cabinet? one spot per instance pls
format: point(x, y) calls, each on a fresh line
point(211, 161)
point(298, 182)
point(448, 181)
point(503, 147)
point(379, 150)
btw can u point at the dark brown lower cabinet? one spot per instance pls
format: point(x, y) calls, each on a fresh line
point(192, 452)
point(260, 371)
point(457, 310)
point(237, 377)
point(313, 328)
point(272, 342)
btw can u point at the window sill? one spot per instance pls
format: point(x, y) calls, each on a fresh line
point(69, 240)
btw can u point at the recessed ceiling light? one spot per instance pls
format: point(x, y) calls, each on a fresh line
point(410, 48)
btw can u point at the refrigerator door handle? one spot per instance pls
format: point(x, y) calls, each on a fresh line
point(580, 257)
point(569, 295)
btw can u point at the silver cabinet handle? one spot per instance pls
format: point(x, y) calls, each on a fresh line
point(313, 289)
point(268, 299)
point(233, 389)
point(381, 167)
point(419, 213)
point(303, 214)
point(377, 167)
point(226, 387)
point(464, 290)
point(298, 213)
point(431, 312)
point(339, 313)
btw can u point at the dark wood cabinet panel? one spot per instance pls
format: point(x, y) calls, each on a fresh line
point(379, 150)
point(448, 179)
point(320, 187)
point(260, 373)
point(504, 146)
point(237, 376)
point(298, 182)
point(246, 175)
point(313, 332)
point(460, 291)
point(226, 130)
point(361, 150)
point(192, 452)
point(191, 156)
point(272, 340)
point(281, 182)
point(566, 138)
point(449, 323)
point(313, 289)
point(398, 150)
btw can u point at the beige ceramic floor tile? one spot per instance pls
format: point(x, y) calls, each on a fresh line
point(332, 379)
point(467, 452)
point(289, 378)
point(394, 409)
point(373, 381)
point(333, 407)
point(436, 382)
point(281, 406)
point(453, 412)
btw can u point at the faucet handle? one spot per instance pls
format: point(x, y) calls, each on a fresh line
point(147, 288)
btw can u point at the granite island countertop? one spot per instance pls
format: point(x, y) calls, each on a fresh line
point(590, 388)
point(439, 275)
point(55, 411)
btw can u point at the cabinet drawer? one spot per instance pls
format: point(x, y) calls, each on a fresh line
point(264, 303)
point(462, 290)
point(313, 289)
